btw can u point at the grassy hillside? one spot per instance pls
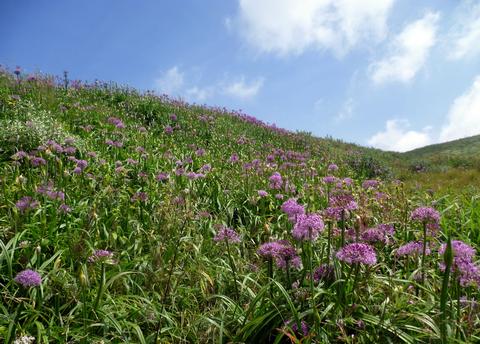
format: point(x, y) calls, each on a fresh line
point(132, 218)
point(468, 147)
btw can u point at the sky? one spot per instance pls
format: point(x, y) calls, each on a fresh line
point(392, 74)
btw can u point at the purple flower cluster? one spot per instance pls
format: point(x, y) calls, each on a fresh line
point(412, 248)
point(324, 273)
point(276, 181)
point(117, 122)
point(292, 209)
point(28, 278)
point(227, 234)
point(49, 191)
point(357, 253)
point(380, 234)
point(262, 193)
point(467, 271)
point(370, 184)
point(100, 256)
point(332, 167)
point(303, 327)
point(112, 143)
point(139, 196)
point(283, 253)
point(460, 249)
point(25, 203)
point(307, 227)
point(425, 215)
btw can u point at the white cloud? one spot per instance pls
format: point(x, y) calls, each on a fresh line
point(397, 137)
point(292, 26)
point(465, 34)
point(200, 94)
point(408, 51)
point(346, 111)
point(463, 118)
point(242, 89)
point(175, 83)
point(171, 82)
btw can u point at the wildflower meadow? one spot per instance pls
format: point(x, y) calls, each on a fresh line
point(128, 217)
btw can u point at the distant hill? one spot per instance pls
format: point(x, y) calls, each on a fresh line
point(466, 147)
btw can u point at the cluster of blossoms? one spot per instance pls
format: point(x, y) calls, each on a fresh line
point(381, 234)
point(324, 273)
point(113, 143)
point(227, 234)
point(425, 215)
point(80, 166)
point(357, 253)
point(307, 227)
point(412, 248)
point(370, 184)
point(117, 122)
point(276, 181)
point(463, 266)
point(101, 256)
point(162, 176)
point(329, 179)
point(340, 203)
point(294, 326)
point(49, 191)
point(262, 193)
point(282, 252)
point(332, 168)
point(139, 196)
point(25, 203)
point(292, 209)
point(28, 278)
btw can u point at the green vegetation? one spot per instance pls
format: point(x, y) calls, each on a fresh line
point(133, 218)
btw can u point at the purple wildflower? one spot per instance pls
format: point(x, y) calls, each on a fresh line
point(370, 184)
point(139, 196)
point(276, 181)
point(262, 193)
point(412, 248)
point(293, 325)
point(292, 209)
point(460, 249)
point(25, 203)
point(380, 234)
point(38, 161)
point(307, 227)
point(64, 209)
point(161, 177)
point(357, 253)
point(100, 255)
point(168, 130)
point(332, 167)
point(324, 273)
point(425, 215)
point(329, 179)
point(28, 278)
point(227, 234)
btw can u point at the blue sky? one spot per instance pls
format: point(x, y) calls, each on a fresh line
point(386, 73)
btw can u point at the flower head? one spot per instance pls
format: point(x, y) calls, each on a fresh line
point(412, 248)
point(100, 256)
point(425, 215)
point(276, 181)
point(292, 209)
point(357, 253)
point(28, 278)
point(227, 234)
point(307, 227)
point(26, 203)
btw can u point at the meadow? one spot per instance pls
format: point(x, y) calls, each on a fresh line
point(128, 217)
